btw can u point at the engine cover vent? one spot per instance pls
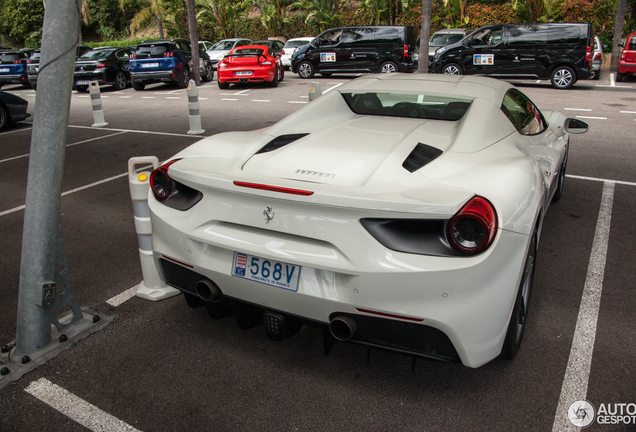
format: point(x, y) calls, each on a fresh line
point(280, 141)
point(421, 155)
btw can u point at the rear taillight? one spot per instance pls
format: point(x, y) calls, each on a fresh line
point(168, 54)
point(223, 64)
point(160, 181)
point(266, 63)
point(16, 61)
point(102, 65)
point(598, 56)
point(623, 55)
point(282, 52)
point(588, 55)
point(406, 51)
point(273, 188)
point(133, 56)
point(472, 230)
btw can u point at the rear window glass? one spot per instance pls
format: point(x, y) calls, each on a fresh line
point(632, 44)
point(440, 40)
point(295, 44)
point(529, 34)
point(407, 105)
point(388, 35)
point(96, 55)
point(566, 34)
point(35, 55)
point(223, 45)
point(153, 49)
point(9, 57)
point(248, 51)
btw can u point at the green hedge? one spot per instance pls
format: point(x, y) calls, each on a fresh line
point(115, 43)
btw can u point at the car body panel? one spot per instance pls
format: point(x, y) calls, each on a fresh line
point(352, 166)
point(13, 67)
point(627, 62)
point(290, 47)
point(102, 66)
point(236, 67)
point(15, 106)
point(223, 47)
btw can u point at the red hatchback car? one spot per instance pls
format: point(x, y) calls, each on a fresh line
point(627, 62)
point(250, 63)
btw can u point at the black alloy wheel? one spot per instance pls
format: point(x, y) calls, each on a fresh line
point(563, 77)
point(274, 82)
point(389, 67)
point(223, 85)
point(306, 70)
point(4, 117)
point(209, 73)
point(561, 180)
point(452, 69)
point(120, 81)
point(519, 318)
point(138, 86)
point(185, 78)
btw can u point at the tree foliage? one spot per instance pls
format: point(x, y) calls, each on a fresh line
point(21, 23)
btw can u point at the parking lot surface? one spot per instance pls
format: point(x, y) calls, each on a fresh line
point(162, 366)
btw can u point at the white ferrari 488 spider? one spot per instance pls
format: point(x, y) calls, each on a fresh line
point(397, 211)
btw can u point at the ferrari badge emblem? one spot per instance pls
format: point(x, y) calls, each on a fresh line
point(268, 213)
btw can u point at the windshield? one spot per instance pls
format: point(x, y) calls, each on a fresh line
point(222, 45)
point(411, 105)
point(296, 44)
point(440, 40)
point(96, 55)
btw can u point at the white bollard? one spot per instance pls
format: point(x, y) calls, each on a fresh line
point(193, 106)
point(152, 287)
point(314, 91)
point(96, 102)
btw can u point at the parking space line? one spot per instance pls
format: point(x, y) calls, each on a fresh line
point(124, 97)
point(577, 373)
point(67, 145)
point(577, 109)
point(593, 118)
point(134, 131)
point(331, 88)
point(172, 97)
point(123, 297)
point(75, 408)
point(628, 112)
point(620, 182)
point(229, 99)
point(260, 100)
point(300, 102)
point(15, 131)
point(612, 80)
point(148, 97)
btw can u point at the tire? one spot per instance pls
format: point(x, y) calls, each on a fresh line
point(561, 181)
point(138, 86)
point(306, 70)
point(26, 85)
point(619, 77)
point(452, 69)
point(34, 87)
point(81, 88)
point(519, 317)
point(389, 67)
point(282, 74)
point(120, 81)
point(185, 78)
point(597, 76)
point(326, 74)
point(4, 118)
point(209, 73)
point(223, 86)
point(274, 82)
point(563, 77)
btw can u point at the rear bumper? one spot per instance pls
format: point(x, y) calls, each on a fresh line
point(627, 68)
point(100, 77)
point(344, 270)
point(155, 76)
point(14, 79)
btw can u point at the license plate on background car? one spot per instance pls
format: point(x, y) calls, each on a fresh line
point(266, 271)
point(82, 82)
point(149, 65)
point(239, 73)
point(4, 69)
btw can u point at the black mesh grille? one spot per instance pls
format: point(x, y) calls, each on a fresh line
point(420, 156)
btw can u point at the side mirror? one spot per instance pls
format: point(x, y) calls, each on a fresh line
point(621, 44)
point(575, 126)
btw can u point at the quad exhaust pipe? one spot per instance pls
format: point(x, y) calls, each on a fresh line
point(343, 327)
point(208, 290)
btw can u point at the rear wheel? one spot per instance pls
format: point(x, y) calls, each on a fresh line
point(274, 82)
point(138, 86)
point(209, 73)
point(563, 77)
point(4, 117)
point(81, 88)
point(597, 76)
point(306, 70)
point(223, 85)
point(519, 317)
point(120, 81)
point(561, 180)
point(282, 74)
point(185, 78)
point(389, 67)
point(452, 69)
point(325, 74)
point(619, 77)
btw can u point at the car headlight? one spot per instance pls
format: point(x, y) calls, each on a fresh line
point(440, 51)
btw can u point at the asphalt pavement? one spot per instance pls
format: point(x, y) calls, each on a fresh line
point(162, 366)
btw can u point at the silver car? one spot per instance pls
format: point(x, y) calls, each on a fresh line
point(223, 47)
point(290, 48)
point(597, 58)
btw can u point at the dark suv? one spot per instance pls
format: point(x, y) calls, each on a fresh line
point(166, 61)
point(559, 52)
point(13, 67)
point(33, 64)
point(107, 65)
point(358, 49)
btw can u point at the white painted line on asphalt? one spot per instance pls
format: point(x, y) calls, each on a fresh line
point(15, 131)
point(75, 408)
point(593, 118)
point(135, 131)
point(305, 97)
point(577, 373)
point(628, 112)
point(577, 109)
point(241, 92)
point(620, 182)
point(260, 100)
point(148, 97)
point(67, 145)
point(121, 298)
point(175, 91)
point(230, 99)
point(612, 81)
point(104, 97)
point(203, 98)
point(173, 97)
point(124, 97)
point(300, 102)
point(614, 86)
point(331, 88)
point(83, 96)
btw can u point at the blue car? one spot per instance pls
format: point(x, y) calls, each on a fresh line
point(166, 61)
point(12, 109)
point(13, 67)
point(107, 65)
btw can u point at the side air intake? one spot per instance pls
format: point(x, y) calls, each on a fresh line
point(421, 155)
point(279, 142)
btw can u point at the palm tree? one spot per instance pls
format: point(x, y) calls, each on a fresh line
point(324, 13)
point(427, 8)
point(154, 9)
point(223, 14)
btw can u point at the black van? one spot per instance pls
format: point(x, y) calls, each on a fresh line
point(357, 49)
point(559, 52)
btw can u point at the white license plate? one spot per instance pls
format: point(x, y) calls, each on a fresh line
point(149, 65)
point(266, 271)
point(239, 73)
point(4, 69)
point(85, 82)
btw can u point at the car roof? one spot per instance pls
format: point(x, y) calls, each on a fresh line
point(453, 30)
point(252, 47)
point(467, 86)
